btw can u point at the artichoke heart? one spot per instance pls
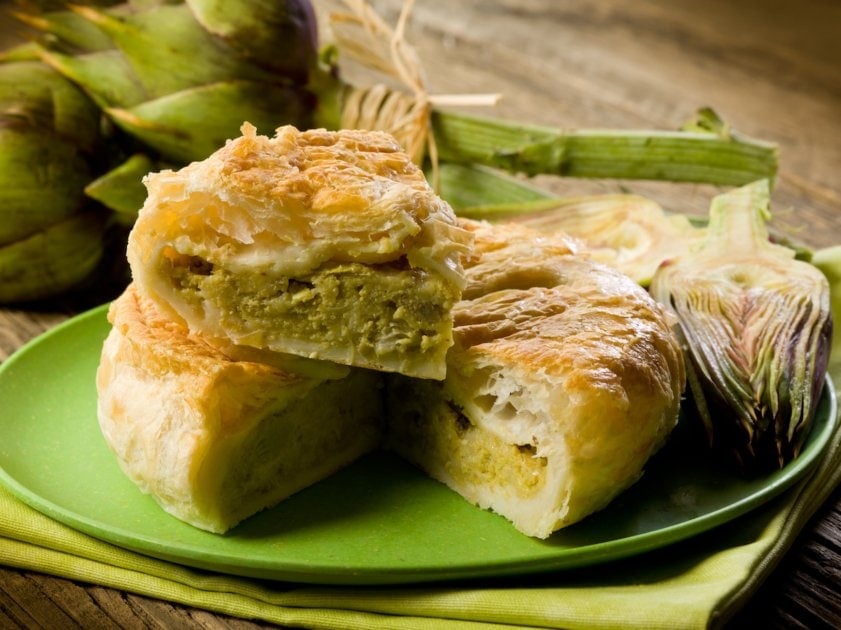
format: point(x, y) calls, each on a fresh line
point(628, 232)
point(756, 326)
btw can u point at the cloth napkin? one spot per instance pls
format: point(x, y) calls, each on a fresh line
point(697, 583)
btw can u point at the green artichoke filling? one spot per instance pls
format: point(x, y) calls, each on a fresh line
point(298, 444)
point(433, 433)
point(377, 310)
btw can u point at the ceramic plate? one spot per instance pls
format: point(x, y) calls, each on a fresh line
point(377, 522)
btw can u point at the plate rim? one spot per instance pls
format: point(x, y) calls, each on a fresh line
point(270, 568)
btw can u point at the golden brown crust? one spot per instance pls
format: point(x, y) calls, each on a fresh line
point(300, 199)
point(189, 424)
point(225, 242)
point(512, 257)
point(537, 299)
point(564, 379)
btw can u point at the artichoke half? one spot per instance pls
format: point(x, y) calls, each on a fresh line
point(628, 232)
point(756, 326)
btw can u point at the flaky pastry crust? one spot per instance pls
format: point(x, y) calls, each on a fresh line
point(324, 244)
point(215, 439)
point(564, 379)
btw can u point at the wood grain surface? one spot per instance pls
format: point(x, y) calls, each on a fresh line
point(770, 68)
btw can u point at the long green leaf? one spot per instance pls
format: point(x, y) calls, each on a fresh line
point(714, 157)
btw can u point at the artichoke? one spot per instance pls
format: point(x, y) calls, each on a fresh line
point(181, 89)
point(627, 232)
point(756, 325)
point(51, 238)
point(179, 78)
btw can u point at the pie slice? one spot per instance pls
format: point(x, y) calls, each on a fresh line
point(216, 439)
point(328, 245)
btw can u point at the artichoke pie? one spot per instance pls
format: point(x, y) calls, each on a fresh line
point(301, 300)
point(564, 379)
point(215, 438)
point(324, 244)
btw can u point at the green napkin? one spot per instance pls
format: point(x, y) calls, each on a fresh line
point(693, 584)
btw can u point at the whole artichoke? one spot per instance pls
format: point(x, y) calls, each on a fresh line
point(50, 237)
point(179, 78)
point(107, 93)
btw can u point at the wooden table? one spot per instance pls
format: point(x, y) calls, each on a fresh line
point(771, 68)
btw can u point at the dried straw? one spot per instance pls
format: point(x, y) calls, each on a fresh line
point(405, 113)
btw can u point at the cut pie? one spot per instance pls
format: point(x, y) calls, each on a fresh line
point(564, 379)
point(215, 439)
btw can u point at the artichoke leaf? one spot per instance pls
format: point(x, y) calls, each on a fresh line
point(191, 124)
point(471, 188)
point(28, 51)
point(756, 325)
point(54, 259)
point(169, 51)
point(36, 97)
point(68, 30)
point(279, 35)
point(105, 75)
point(41, 181)
point(121, 189)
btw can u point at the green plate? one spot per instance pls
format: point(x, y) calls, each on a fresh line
point(377, 522)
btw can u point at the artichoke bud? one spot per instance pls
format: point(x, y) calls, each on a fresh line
point(51, 239)
point(280, 36)
point(178, 78)
point(756, 326)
